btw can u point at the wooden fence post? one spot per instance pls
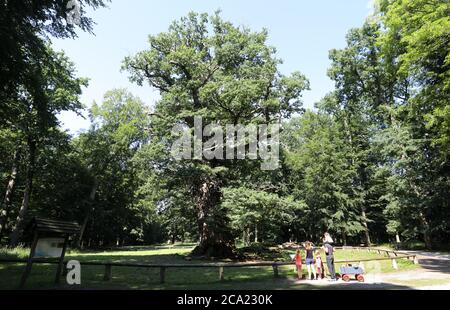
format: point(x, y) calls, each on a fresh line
point(162, 275)
point(65, 271)
point(416, 261)
point(221, 278)
point(275, 271)
point(394, 264)
point(61, 261)
point(108, 273)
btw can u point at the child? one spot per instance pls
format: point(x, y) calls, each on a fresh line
point(319, 266)
point(298, 263)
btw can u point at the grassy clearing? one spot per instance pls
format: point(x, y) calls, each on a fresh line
point(42, 276)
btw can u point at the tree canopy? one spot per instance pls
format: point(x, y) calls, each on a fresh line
point(369, 163)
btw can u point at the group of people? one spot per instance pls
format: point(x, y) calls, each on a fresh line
point(313, 259)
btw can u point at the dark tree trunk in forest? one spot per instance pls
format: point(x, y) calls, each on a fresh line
point(17, 230)
point(4, 212)
point(215, 239)
point(246, 236)
point(426, 231)
point(366, 227)
point(344, 237)
point(88, 214)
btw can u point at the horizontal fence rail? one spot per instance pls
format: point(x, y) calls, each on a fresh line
point(390, 255)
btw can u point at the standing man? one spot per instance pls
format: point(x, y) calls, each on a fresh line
point(328, 248)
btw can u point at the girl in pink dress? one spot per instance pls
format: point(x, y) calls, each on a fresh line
point(298, 263)
point(319, 266)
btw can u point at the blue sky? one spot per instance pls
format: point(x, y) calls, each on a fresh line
point(303, 31)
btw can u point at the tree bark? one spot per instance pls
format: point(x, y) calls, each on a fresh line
point(344, 237)
point(366, 227)
point(17, 230)
point(247, 242)
point(4, 212)
point(246, 236)
point(89, 211)
point(215, 239)
point(256, 233)
point(426, 232)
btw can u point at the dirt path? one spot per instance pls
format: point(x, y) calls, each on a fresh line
point(434, 274)
point(434, 271)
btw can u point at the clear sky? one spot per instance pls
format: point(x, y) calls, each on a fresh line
point(303, 31)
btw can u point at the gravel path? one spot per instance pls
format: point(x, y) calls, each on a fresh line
point(435, 266)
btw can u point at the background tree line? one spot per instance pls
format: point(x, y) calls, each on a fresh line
point(368, 164)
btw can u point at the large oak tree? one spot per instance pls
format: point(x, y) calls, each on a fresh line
point(205, 66)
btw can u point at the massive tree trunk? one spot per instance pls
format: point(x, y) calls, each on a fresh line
point(4, 212)
point(17, 230)
point(215, 238)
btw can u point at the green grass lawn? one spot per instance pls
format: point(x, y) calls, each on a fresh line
point(42, 276)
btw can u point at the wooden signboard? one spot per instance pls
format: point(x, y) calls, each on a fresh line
point(49, 247)
point(49, 241)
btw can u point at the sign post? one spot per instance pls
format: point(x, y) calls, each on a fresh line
point(29, 262)
point(50, 241)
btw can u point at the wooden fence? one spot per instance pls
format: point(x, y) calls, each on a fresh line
point(391, 255)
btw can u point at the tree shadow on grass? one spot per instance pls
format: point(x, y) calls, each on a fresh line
point(130, 259)
point(141, 248)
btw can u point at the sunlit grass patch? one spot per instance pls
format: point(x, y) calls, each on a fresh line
point(15, 253)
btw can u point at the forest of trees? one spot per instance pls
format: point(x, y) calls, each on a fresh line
point(369, 164)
